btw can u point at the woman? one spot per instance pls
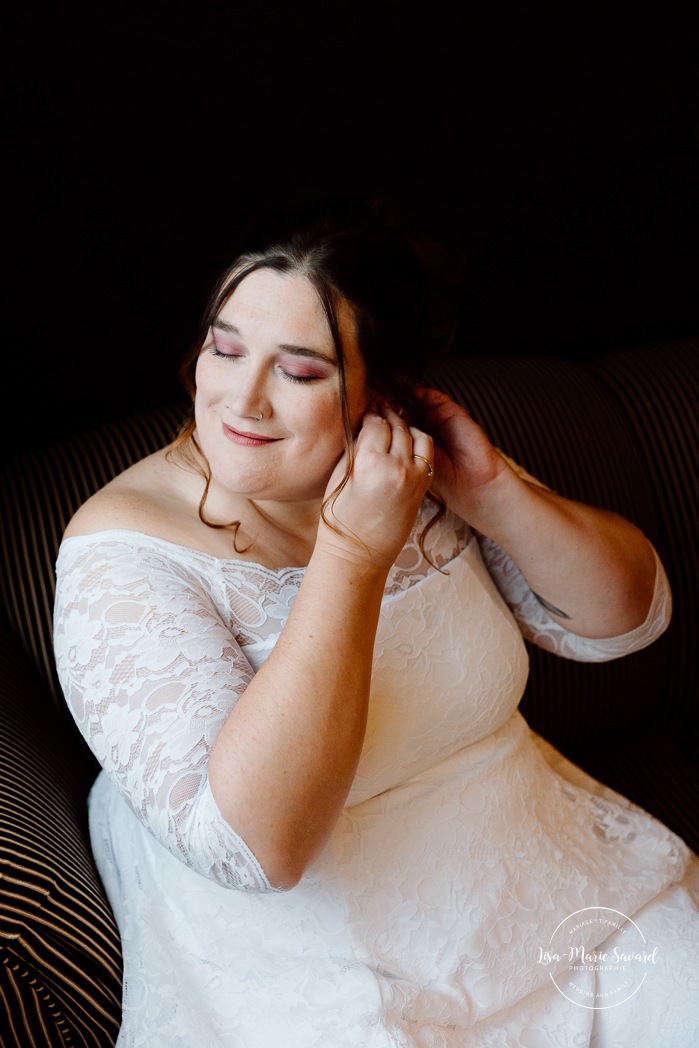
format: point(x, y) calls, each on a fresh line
point(293, 639)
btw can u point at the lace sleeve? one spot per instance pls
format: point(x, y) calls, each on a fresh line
point(539, 628)
point(150, 673)
point(542, 630)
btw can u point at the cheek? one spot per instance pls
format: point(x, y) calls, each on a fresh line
point(202, 375)
point(199, 383)
point(331, 421)
point(321, 426)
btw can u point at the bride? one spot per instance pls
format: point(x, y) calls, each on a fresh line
point(294, 639)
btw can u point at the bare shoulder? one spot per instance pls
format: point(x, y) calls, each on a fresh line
point(150, 496)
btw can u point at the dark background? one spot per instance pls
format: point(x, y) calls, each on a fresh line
point(554, 143)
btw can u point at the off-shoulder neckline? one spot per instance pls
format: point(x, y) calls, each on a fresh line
point(132, 536)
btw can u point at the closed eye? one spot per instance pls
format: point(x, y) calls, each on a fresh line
point(300, 378)
point(219, 353)
point(294, 371)
point(298, 370)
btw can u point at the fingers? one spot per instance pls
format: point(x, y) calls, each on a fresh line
point(375, 432)
point(409, 440)
point(401, 435)
point(384, 430)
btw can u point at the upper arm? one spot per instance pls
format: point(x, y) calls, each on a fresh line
point(150, 672)
point(538, 627)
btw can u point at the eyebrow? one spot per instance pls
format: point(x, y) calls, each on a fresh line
point(286, 347)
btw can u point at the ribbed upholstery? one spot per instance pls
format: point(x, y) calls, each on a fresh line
point(619, 432)
point(661, 405)
point(61, 978)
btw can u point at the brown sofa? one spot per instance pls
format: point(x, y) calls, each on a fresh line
point(618, 431)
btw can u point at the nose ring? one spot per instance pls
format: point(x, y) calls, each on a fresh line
point(259, 418)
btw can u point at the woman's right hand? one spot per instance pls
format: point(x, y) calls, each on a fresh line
point(370, 519)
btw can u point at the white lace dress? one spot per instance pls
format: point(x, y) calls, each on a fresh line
point(465, 841)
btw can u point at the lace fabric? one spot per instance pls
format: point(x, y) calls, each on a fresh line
point(538, 627)
point(463, 841)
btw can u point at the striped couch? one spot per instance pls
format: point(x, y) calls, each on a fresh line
point(618, 431)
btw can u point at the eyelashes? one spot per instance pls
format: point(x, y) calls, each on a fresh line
point(300, 378)
point(216, 352)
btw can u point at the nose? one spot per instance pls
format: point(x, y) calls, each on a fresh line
point(248, 394)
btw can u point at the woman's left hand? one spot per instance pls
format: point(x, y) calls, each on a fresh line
point(596, 566)
point(466, 464)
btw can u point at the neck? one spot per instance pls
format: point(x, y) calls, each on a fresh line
point(292, 518)
point(281, 534)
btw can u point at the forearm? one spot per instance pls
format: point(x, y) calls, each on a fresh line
point(282, 765)
point(593, 570)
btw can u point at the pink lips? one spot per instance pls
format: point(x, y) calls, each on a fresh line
point(247, 440)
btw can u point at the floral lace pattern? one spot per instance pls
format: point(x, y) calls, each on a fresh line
point(462, 844)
